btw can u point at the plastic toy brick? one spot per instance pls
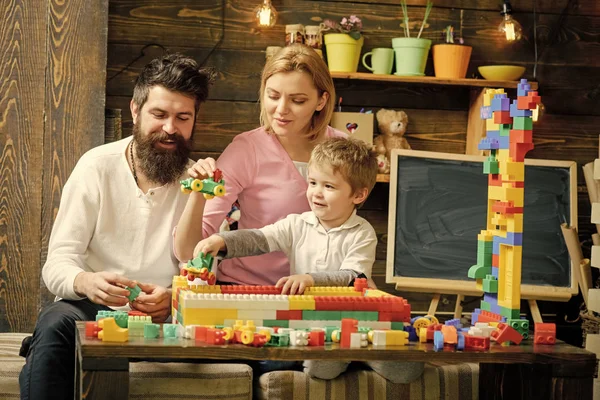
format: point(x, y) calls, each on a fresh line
point(450, 335)
point(200, 333)
point(111, 332)
point(503, 117)
point(518, 150)
point(397, 338)
point(360, 284)
point(544, 333)
point(134, 292)
point(523, 87)
point(520, 325)
point(486, 316)
point(276, 323)
point(169, 330)
point(515, 112)
point(259, 340)
point(378, 338)
point(301, 302)
point(358, 340)
point(488, 144)
point(120, 317)
point(91, 329)
point(455, 322)
point(136, 324)
point(476, 343)
point(506, 207)
point(211, 187)
point(279, 340)
point(289, 314)
point(506, 333)
point(151, 331)
point(215, 336)
point(299, 338)
point(485, 112)
point(500, 102)
point(316, 338)
point(200, 267)
point(349, 326)
point(521, 136)
point(438, 341)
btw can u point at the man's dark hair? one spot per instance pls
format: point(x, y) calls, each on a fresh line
point(177, 73)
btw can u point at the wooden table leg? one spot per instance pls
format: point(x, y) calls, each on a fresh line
point(536, 381)
point(104, 378)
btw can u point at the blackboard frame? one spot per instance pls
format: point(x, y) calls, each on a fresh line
point(468, 286)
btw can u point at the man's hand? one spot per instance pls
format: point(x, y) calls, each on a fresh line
point(154, 301)
point(211, 245)
point(295, 284)
point(105, 288)
point(203, 168)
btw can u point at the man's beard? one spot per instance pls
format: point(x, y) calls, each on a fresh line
point(160, 165)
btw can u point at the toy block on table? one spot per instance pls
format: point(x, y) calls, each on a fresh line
point(544, 333)
point(120, 317)
point(151, 331)
point(91, 329)
point(111, 332)
point(506, 333)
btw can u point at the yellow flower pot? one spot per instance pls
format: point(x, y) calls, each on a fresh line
point(343, 52)
point(451, 61)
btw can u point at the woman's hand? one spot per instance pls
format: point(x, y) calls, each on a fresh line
point(211, 245)
point(203, 168)
point(295, 284)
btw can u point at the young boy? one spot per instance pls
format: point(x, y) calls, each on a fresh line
point(330, 245)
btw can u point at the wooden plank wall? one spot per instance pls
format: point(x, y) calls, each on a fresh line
point(568, 70)
point(52, 85)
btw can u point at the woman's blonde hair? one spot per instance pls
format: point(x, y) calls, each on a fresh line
point(299, 57)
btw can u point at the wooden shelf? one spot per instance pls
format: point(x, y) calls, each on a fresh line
point(430, 80)
point(383, 177)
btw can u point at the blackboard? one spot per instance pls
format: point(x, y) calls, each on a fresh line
point(438, 206)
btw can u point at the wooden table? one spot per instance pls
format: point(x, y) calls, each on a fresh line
point(515, 372)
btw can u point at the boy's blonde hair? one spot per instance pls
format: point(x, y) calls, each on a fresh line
point(299, 57)
point(352, 158)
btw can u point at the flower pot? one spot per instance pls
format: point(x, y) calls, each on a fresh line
point(451, 60)
point(343, 52)
point(411, 55)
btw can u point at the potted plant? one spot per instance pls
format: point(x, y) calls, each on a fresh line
point(411, 52)
point(343, 48)
point(451, 60)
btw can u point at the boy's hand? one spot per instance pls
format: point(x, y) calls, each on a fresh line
point(203, 168)
point(211, 245)
point(295, 284)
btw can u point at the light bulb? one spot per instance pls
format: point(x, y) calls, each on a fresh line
point(266, 15)
point(510, 28)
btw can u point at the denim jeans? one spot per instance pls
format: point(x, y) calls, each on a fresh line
point(49, 371)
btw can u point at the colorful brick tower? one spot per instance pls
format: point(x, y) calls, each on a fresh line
point(500, 245)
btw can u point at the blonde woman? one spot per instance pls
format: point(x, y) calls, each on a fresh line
point(265, 169)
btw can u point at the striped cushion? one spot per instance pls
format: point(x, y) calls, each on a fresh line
point(10, 364)
point(449, 382)
point(147, 380)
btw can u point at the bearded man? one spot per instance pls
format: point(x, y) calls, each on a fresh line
point(113, 228)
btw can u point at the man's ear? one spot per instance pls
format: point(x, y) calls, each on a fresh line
point(361, 195)
point(134, 110)
point(323, 101)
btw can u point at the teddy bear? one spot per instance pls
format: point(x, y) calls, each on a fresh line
point(392, 126)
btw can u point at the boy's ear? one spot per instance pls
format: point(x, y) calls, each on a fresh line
point(360, 195)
